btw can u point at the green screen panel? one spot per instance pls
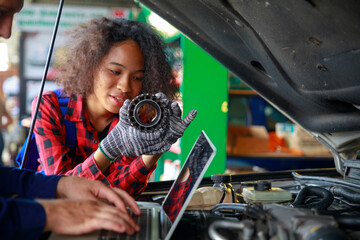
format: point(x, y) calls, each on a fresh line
point(205, 88)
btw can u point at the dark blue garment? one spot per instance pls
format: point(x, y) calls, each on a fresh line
point(21, 217)
point(2, 145)
point(70, 136)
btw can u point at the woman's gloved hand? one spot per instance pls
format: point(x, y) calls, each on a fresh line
point(177, 125)
point(126, 140)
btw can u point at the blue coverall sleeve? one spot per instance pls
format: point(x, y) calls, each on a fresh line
point(20, 216)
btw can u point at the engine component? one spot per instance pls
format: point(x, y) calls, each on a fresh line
point(223, 181)
point(323, 198)
point(147, 113)
point(194, 225)
point(352, 169)
point(262, 186)
point(304, 224)
point(324, 181)
point(208, 197)
point(262, 191)
point(346, 193)
point(245, 226)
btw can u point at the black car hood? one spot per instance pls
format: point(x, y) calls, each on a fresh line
point(302, 56)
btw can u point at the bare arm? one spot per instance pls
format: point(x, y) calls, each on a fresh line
point(151, 160)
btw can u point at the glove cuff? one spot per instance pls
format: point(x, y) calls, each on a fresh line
point(102, 151)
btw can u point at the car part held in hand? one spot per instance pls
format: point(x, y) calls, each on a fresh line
point(147, 113)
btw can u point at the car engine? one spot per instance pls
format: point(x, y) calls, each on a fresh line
point(299, 207)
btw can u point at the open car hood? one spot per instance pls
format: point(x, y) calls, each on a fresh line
point(303, 57)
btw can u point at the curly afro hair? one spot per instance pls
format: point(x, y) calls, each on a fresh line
point(90, 42)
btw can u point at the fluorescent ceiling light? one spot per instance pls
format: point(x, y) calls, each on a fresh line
point(162, 25)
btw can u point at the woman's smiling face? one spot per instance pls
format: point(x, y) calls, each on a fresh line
point(119, 76)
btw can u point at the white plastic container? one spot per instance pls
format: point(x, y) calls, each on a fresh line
point(272, 195)
point(208, 197)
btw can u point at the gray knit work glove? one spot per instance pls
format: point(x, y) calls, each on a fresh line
point(128, 141)
point(177, 125)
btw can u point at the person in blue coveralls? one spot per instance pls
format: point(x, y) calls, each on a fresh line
point(32, 203)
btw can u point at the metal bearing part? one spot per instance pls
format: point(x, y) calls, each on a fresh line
point(147, 113)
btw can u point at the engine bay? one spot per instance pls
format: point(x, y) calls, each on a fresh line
point(301, 205)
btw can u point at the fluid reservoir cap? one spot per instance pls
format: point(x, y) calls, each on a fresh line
point(221, 178)
point(262, 186)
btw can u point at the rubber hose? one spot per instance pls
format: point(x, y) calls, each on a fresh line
point(324, 180)
point(352, 222)
point(326, 198)
point(346, 193)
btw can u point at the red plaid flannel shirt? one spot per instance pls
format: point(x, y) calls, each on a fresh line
point(129, 174)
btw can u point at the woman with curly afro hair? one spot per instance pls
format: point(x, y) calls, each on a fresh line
point(107, 63)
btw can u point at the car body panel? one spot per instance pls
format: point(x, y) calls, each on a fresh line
point(303, 57)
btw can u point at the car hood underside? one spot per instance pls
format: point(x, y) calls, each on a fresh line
point(302, 56)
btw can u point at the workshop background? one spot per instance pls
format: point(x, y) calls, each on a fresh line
point(250, 134)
